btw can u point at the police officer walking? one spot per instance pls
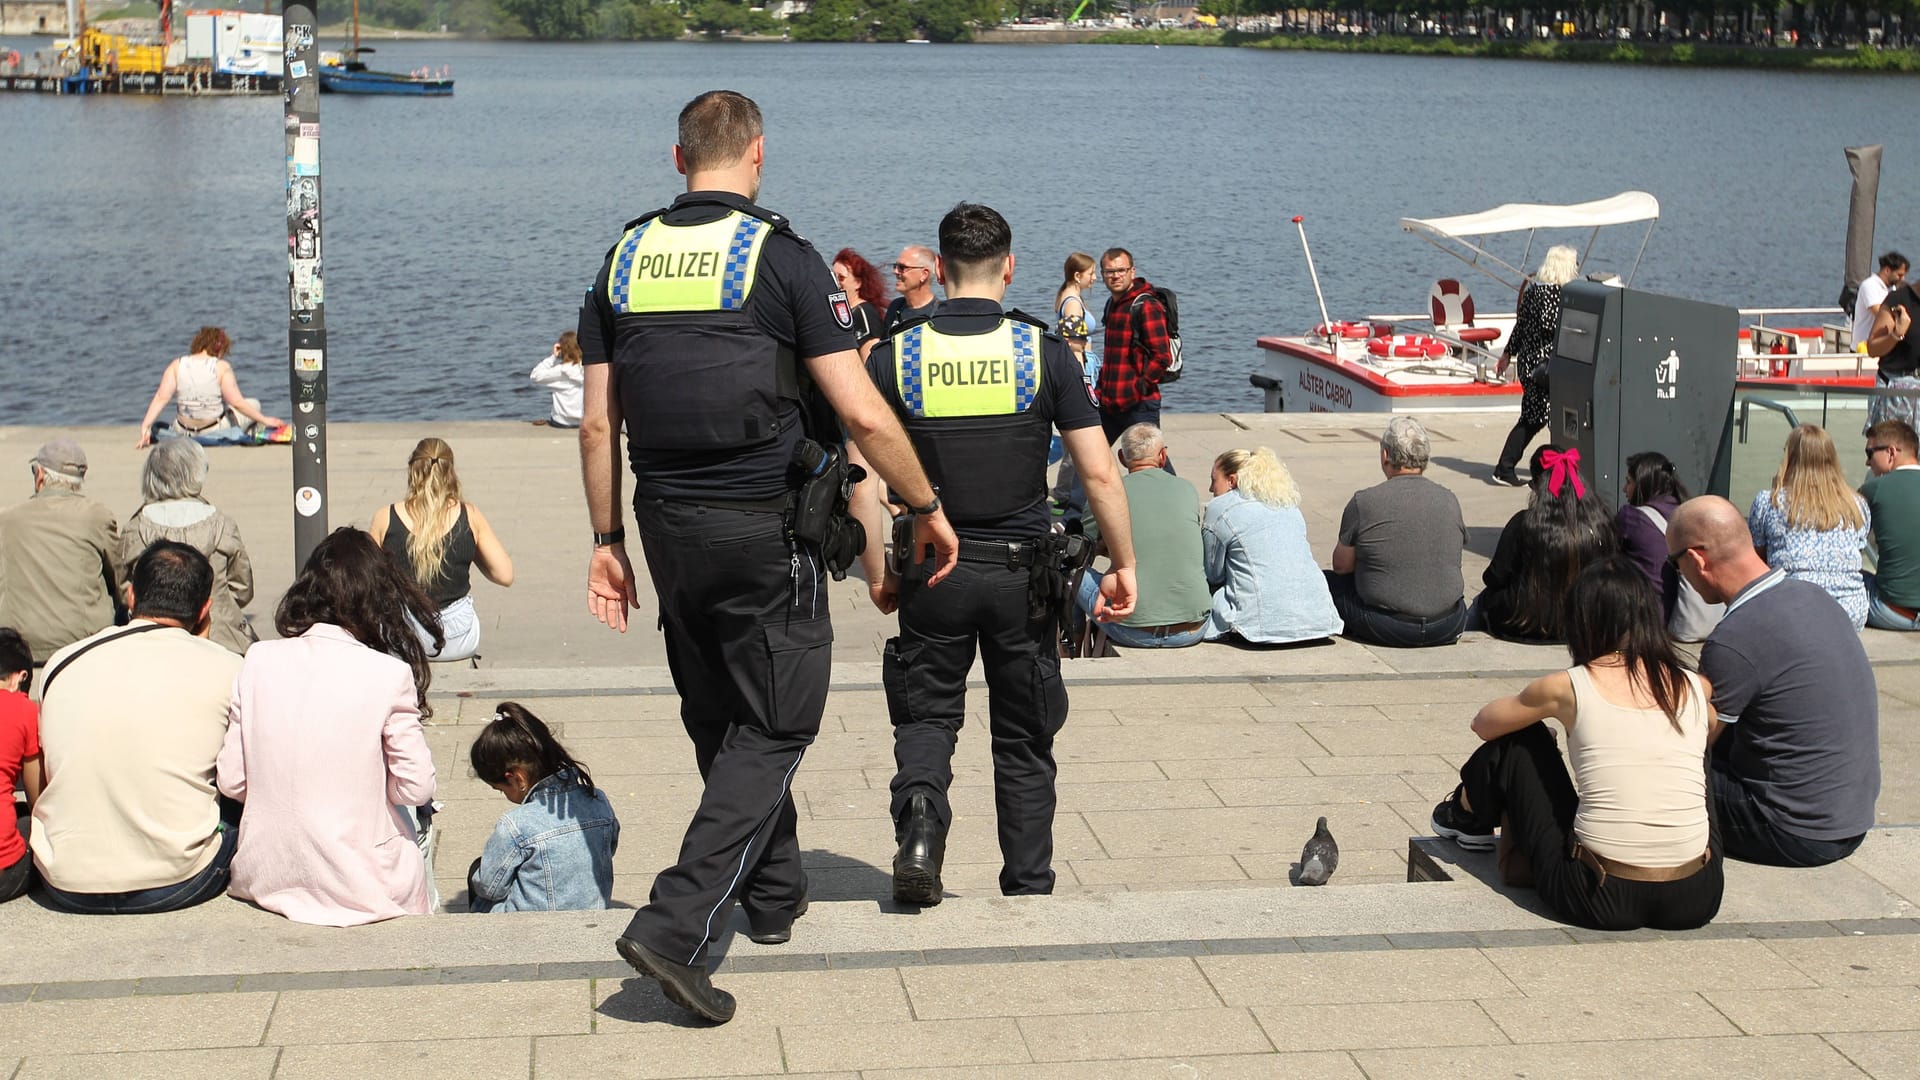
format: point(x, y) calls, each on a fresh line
point(713, 333)
point(980, 391)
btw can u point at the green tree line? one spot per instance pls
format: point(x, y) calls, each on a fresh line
point(1815, 21)
point(665, 20)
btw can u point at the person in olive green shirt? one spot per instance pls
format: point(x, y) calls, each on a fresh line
point(1169, 562)
point(1893, 497)
point(57, 581)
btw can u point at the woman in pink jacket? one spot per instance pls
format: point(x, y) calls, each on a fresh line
point(325, 746)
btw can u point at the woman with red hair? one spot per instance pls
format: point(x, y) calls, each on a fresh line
point(865, 295)
point(209, 401)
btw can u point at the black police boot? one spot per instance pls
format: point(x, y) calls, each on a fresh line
point(685, 985)
point(923, 846)
point(774, 927)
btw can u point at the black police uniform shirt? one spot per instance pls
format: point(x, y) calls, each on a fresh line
point(1064, 401)
point(899, 314)
point(793, 302)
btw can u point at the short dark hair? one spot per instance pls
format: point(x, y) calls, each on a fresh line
point(15, 653)
point(971, 236)
point(1894, 433)
point(171, 581)
point(1893, 260)
point(716, 128)
point(1115, 253)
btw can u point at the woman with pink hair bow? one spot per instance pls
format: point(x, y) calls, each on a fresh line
point(1564, 528)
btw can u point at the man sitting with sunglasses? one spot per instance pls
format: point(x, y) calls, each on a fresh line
point(1795, 766)
point(1893, 496)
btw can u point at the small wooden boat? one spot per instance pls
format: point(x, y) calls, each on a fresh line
point(345, 73)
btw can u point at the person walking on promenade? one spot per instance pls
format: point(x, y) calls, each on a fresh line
point(1531, 342)
point(716, 323)
point(1136, 351)
point(913, 276)
point(1874, 288)
point(208, 396)
point(436, 538)
point(1070, 322)
point(984, 442)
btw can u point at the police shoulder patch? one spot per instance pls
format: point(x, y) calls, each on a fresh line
point(842, 311)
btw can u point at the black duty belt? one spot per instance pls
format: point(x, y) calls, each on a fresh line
point(1012, 554)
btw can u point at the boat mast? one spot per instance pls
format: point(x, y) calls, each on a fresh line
point(356, 29)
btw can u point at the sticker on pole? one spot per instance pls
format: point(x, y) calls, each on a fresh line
point(306, 501)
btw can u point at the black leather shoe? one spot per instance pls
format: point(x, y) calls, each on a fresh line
point(684, 985)
point(923, 846)
point(774, 927)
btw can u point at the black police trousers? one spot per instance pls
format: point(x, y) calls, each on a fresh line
point(925, 672)
point(750, 646)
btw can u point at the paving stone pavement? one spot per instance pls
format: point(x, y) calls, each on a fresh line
point(1174, 946)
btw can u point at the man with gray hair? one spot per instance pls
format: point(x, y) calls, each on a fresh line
point(1168, 554)
point(913, 276)
point(57, 583)
point(1396, 567)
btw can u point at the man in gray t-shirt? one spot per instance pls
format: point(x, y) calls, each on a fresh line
point(1396, 569)
point(1796, 763)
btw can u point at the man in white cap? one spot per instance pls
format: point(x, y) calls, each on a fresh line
point(56, 568)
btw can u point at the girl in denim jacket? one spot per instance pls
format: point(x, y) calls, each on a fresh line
point(554, 850)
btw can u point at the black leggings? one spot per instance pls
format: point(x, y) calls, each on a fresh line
point(1522, 776)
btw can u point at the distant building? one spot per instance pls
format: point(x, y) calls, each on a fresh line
point(33, 17)
point(1165, 13)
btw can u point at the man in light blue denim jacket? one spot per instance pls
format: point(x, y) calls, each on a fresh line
point(552, 852)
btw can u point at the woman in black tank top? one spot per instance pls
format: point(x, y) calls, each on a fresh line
point(436, 539)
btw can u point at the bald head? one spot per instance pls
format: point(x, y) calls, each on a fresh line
point(1708, 537)
point(1712, 524)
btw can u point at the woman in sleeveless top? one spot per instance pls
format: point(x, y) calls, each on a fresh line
point(206, 396)
point(1071, 323)
point(436, 540)
point(1625, 841)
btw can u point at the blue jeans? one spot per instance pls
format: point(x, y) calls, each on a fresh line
point(1135, 637)
point(198, 889)
point(1880, 615)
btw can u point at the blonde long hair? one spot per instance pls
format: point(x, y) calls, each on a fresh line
point(1259, 476)
point(433, 502)
point(1559, 266)
point(1809, 485)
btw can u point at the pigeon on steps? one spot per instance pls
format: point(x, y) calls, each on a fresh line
point(1320, 858)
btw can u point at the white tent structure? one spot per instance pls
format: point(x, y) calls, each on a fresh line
point(1463, 235)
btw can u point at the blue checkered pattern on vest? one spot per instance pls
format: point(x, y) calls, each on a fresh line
point(622, 276)
point(1026, 366)
point(911, 393)
point(733, 276)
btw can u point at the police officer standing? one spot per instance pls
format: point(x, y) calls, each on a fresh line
point(980, 391)
point(713, 332)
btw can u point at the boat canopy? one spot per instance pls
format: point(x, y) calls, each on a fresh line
point(1463, 235)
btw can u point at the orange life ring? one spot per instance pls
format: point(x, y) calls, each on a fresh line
point(1348, 330)
point(1408, 347)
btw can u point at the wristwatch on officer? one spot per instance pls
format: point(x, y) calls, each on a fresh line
point(617, 536)
point(923, 511)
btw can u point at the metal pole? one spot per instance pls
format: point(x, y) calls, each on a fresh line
point(306, 291)
point(1326, 324)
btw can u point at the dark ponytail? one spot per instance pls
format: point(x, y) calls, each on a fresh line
point(517, 737)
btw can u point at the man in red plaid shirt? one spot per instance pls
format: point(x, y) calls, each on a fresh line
point(1136, 352)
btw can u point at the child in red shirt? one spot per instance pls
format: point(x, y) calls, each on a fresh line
point(19, 758)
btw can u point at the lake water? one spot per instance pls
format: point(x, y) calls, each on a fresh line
point(460, 233)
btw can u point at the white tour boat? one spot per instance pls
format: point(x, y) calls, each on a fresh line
point(1443, 360)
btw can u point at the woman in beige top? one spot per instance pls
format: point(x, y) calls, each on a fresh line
point(1624, 842)
point(205, 394)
